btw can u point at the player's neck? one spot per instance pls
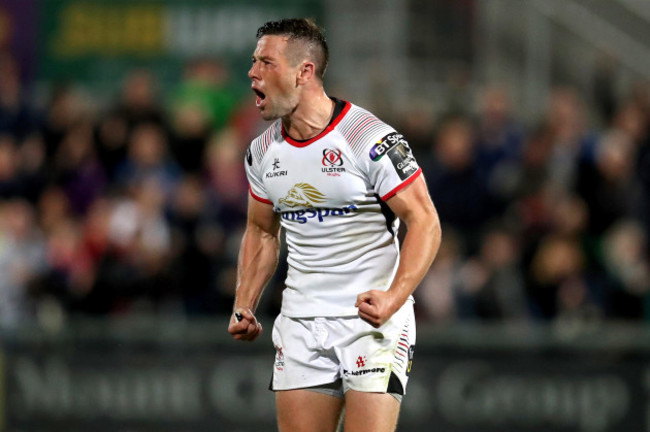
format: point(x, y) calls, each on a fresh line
point(311, 116)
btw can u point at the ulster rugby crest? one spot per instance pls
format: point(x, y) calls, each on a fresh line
point(332, 162)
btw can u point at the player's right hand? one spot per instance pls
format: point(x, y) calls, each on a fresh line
point(247, 328)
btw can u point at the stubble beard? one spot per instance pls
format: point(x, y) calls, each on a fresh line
point(269, 115)
point(281, 109)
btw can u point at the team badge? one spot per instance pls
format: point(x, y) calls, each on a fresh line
point(332, 162)
point(332, 158)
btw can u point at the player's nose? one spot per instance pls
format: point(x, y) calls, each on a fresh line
point(252, 72)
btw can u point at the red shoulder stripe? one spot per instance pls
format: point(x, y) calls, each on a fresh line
point(258, 198)
point(402, 185)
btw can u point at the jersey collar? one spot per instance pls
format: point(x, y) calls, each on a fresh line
point(333, 123)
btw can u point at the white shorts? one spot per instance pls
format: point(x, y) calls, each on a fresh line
point(312, 352)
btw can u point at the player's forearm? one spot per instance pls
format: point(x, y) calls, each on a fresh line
point(258, 259)
point(418, 251)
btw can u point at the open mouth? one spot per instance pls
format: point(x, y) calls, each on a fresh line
point(260, 97)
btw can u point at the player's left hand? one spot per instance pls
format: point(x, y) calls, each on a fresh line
point(376, 307)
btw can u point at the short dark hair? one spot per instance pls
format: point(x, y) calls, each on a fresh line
point(305, 30)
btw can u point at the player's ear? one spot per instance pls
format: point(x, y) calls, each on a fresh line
point(305, 72)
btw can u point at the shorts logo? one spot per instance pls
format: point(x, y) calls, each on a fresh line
point(303, 195)
point(361, 361)
point(333, 162)
point(364, 371)
point(279, 359)
point(409, 365)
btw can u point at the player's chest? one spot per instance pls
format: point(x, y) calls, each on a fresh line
point(319, 175)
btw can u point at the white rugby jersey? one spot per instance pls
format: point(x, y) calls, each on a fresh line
point(330, 192)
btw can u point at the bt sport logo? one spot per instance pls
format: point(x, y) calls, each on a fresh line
point(386, 143)
point(395, 146)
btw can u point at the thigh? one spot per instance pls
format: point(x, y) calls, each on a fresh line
point(379, 360)
point(300, 359)
point(307, 411)
point(377, 412)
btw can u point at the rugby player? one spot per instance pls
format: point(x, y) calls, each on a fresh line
point(338, 180)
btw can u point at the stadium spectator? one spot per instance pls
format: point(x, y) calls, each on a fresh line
point(32, 168)
point(17, 117)
point(139, 237)
point(77, 170)
point(22, 261)
point(499, 142)
point(139, 100)
point(572, 140)
point(199, 248)
point(148, 157)
point(607, 181)
point(492, 285)
point(66, 108)
point(225, 178)
point(201, 104)
point(436, 296)
point(624, 255)
point(111, 135)
point(10, 186)
point(455, 181)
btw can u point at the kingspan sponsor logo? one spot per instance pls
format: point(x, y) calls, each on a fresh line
point(305, 195)
point(301, 216)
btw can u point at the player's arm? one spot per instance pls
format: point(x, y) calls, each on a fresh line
point(258, 259)
point(414, 207)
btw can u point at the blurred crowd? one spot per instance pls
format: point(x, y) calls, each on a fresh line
point(138, 205)
point(132, 207)
point(548, 221)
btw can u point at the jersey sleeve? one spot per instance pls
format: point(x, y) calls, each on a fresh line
point(256, 186)
point(391, 164)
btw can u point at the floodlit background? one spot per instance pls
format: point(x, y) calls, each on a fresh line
point(123, 126)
